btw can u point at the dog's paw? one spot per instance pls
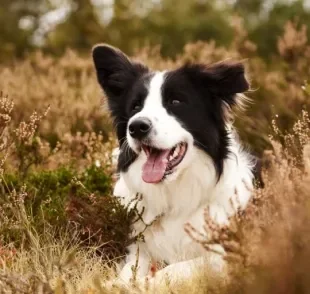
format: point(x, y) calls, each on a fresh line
point(118, 283)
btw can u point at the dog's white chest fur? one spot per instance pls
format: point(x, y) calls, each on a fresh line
point(168, 206)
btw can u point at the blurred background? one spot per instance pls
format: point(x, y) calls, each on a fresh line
point(55, 25)
point(46, 44)
point(56, 139)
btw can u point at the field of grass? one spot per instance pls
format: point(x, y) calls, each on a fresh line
point(62, 232)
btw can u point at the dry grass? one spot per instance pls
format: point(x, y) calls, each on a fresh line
point(268, 245)
point(58, 220)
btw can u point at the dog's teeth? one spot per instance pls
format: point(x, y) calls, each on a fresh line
point(176, 151)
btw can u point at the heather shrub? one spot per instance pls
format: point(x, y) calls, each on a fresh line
point(48, 192)
point(67, 186)
point(267, 245)
point(274, 232)
point(59, 223)
point(68, 86)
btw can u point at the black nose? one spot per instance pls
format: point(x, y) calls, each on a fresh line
point(140, 128)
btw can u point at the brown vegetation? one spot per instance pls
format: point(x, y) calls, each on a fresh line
point(59, 223)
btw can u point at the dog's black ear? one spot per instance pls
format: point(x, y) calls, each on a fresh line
point(223, 80)
point(116, 74)
point(115, 71)
point(227, 78)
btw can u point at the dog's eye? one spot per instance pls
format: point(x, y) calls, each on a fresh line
point(137, 106)
point(175, 102)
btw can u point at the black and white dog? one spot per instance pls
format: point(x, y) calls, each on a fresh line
point(177, 148)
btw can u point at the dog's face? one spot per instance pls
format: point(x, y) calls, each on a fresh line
point(164, 117)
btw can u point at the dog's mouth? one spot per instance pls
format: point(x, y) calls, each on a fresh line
point(161, 163)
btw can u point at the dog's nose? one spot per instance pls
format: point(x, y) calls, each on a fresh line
point(140, 128)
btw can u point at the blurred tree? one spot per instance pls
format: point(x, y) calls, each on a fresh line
point(127, 29)
point(131, 24)
point(165, 23)
point(187, 22)
point(136, 23)
point(18, 21)
point(267, 32)
point(251, 11)
point(80, 30)
point(249, 7)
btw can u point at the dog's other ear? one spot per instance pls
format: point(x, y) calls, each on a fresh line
point(115, 72)
point(227, 78)
point(224, 80)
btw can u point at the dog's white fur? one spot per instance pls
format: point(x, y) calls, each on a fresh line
point(183, 196)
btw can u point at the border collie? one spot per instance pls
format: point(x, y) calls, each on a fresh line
point(178, 149)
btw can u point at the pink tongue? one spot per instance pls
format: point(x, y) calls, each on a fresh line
point(154, 169)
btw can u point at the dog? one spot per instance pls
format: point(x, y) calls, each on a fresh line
point(178, 149)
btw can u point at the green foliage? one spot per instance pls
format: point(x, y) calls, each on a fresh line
point(249, 7)
point(266, 33)
point(94, 179)
point(80, 30)
point(18, 22)
point(47, 195)
point(306, 88)
point(48, 192)
point(169, 25)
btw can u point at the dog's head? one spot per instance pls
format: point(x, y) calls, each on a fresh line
point(165, 117)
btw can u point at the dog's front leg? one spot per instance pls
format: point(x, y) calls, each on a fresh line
point(137, 264)
point(179, 271)
point(211, 266)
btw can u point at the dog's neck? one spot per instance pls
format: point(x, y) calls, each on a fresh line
point(196, 186)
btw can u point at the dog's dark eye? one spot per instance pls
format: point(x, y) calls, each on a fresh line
point(137, 106)
point(175, 102)
point(137, 103)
